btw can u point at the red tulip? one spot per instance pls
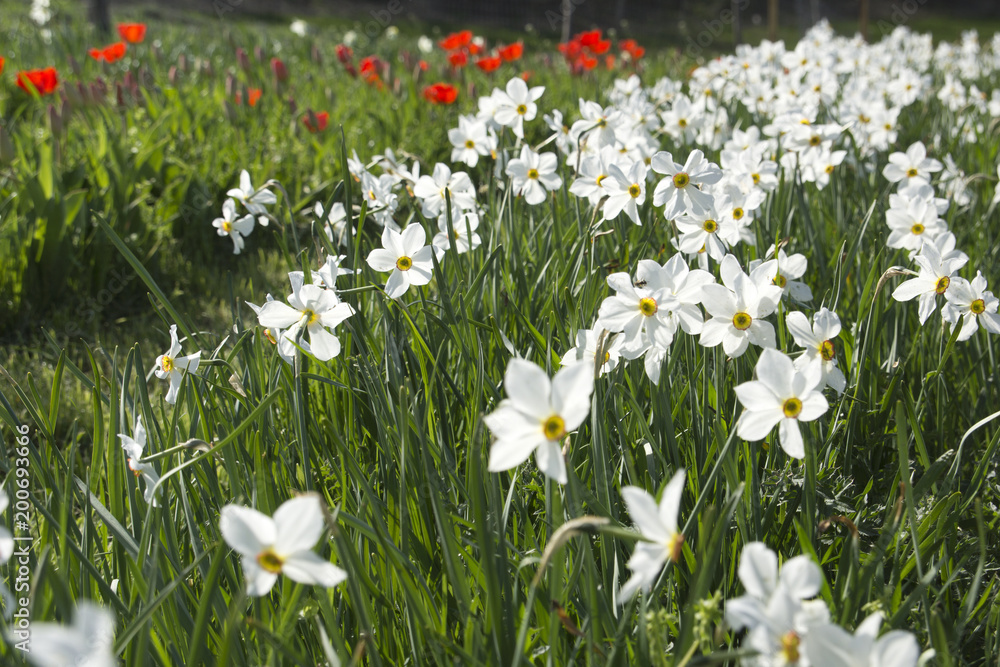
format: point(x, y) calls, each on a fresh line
point(109, 54)
point(456, 40)
point(489, 64)
point(133, 33)
point(458, 59)
point(1, 64)
point(43, 80)
point(279, 69)
point(344, 53)
point(590, 38)
point(440, 93)
point(321, 120)
point(512, 51)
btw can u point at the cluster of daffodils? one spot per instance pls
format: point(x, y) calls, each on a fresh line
point(787, 625)
point(915, 224)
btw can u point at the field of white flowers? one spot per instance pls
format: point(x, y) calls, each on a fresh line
point(694, 371)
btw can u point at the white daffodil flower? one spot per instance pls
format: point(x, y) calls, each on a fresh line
point(280, 545)
point(973, 303)
point(817, 339)
point(680, 190)
point(432, 190)
point(471, 140)
point(912, 221)
point(913, 164)
point(782, 270)
point(780, 396)
point(336, 222)
point(736, 307)
point(133, 449)
point(657, 523)
point(830, 645)
point(534, 175)
point(593, 173)
point(171, 367)
point(516, 105)
point(934, 278)
point(642, 314)
point(626, 192)
point(410, 261)
point(588, 343)
point(88, 641)
point(312, 308)
point(537, 414)
point(235, 229)
point(6, 538)
point(6, 551)
point(255, 201)
point(775, 607)
point(702, 232)
point(800, 577)
point(464, 225)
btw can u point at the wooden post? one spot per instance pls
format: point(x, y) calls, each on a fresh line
point(863, 21)
point(772, 20)
point(567, 14)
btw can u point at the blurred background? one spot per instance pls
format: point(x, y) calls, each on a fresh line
point(658, 22)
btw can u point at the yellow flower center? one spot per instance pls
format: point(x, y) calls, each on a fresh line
point(554, 427)
point(863, 118)
point(737, 213)
point(601, 178)
point(533, 174)
point(270, 561)
point(790, 647)
point(675, 545)
point(227, 226)
point(521, 109)
point(742, 321)
point(602, 122)
point(607, 357)
point(942, 284)
point(829, 169)
point(978, 306)
point(792, 407)
point(681, 180)
point(917, 228)
point(167, 363)
point(814, 140)
point(827, 351)
point(647, 306)
point(634, 190)
point(911, 172)
point(404, 263)
point(309, 316)
point(756, 178)
point(779, 280)
point(682, 122)
point(710, 226)
point(469, 143)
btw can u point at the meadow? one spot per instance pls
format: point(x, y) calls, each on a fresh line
point(447, 349)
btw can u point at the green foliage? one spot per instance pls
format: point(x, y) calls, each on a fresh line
point(448, 563)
